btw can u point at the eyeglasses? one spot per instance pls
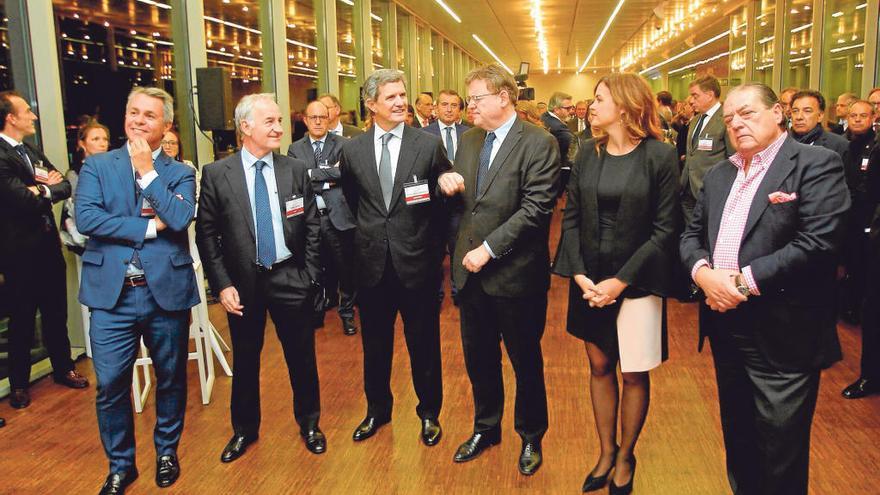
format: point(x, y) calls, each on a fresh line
point(169, 143)
point(477, 98)
point(569, 108)
point(317, 118)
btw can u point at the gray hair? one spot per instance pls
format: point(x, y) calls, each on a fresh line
point(378, 79)
point(245, 108)
point(557, 99)
point(161, 94)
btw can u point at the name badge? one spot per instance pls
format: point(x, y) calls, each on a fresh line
point(147, 209)
point(41, 173)
point(416, 192)
point(705, 144)
point(294, 207)
point(864, 166)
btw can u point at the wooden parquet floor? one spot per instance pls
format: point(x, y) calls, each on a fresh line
point(53, 446)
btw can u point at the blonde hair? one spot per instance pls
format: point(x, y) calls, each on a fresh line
point(497, 80)
point(161, 94)
point(631, 93)
point(530, 110)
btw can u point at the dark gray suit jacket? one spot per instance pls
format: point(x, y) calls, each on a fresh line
point(562, 134)
point(698, 162)
point(337, 207)
point(411, 233)
point(792, 250)
point(350, 131)
point(512, 214)
point(225, 225)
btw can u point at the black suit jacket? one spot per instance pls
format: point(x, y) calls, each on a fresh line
point(27, 220)
point(340, 214)
point(792, 250)
point(562, 134)
point(411, 234)
point(834, 142)
point(350, 131)
point(225, 225)
point(648, 220)
point(512, 214)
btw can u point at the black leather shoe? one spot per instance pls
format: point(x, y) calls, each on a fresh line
point(72, 379)
point(315, 440)
point(19, 398)
point(348, 326)
point(593, 483)
point(368, 428)
point(474, 446)
point(236, 447)
point(431, 432)
point(116, 483)
point(627, 488)
point(167, 470)
point(860, 388)
point(530, 458)
point(2, 422)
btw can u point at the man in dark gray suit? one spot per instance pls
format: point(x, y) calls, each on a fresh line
point(707, 140)
point(320, 149)
point(334, 107)
point(389, 177)
point(509, 175)
point(807, 115)
point(762, 245)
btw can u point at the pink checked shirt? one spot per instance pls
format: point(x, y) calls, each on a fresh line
point(736, 212)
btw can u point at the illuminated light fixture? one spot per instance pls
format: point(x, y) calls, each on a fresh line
point(448, 10)
point(156, 4)
point(244, 8)
point(837, 14)
point(800, 59)
point(232, 24)
point(765, 40)
point(347, 2)
point(375, 17)
point(862, 6)
point(844, 48)
point(222, 54)
point(801, 28)
point(689, 50)
point(535, 12)
point(299, 43)
point(601, 35)
point(486, 47)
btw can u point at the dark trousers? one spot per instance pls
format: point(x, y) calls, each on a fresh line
point(857, 264)
point(518, 321)
point(454, 220)
point(871, 324)
point(766, 416)
point(420, 312)
point(283, 292)
point(337, 251)
point(115, 338)
point(38, 284)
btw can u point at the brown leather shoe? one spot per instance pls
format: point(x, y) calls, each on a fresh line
point(72, 379)
point(19, 398)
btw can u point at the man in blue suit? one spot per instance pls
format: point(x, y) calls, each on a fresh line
point(135, 204)
point(449, 128)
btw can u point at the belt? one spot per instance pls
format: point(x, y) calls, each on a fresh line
point(277, 264)
point(135, 281)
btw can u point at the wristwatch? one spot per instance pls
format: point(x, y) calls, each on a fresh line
point(741, 285)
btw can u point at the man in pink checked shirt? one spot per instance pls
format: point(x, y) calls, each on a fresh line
point(762, 245)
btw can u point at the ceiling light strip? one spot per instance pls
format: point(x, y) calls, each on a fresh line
point(844, 48)
point(601, 35)
point(486, 47)
point(156, 4)
point(541, 39)
point(689, 50)
point(448, 10)
point(706, 61)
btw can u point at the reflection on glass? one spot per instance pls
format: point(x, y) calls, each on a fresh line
point(843, 47)
point(302, 61)
point(233, 41)
point(799, 44)
point(402, 26)
point(737, 57)
point(764, 41)
point(376, 19)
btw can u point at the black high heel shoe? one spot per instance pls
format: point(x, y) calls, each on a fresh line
point(627, 488)
point(593, 483)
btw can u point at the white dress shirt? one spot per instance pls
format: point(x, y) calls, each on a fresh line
point(709, 113)
point(443, 128)
point(393, 145)
point(248, 161)
point(500, 134)
point(338, 129)
point(143, 183)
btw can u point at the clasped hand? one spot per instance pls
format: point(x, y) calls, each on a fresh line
point(720, 288)
point(602, 294)
point(451, 183)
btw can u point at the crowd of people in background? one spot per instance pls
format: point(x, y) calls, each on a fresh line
point(744, 205)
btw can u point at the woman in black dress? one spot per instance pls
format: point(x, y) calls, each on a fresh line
point(619, 236)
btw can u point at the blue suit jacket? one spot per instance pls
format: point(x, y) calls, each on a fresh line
point(434, 128)
point(107, 211)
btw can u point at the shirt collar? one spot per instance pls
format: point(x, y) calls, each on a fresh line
point(397, 131)
point(337, 129)
point(444, 126)
point(12, 142)
point(249, 159)
point(155, 152)
point(711, 111)
point(312, 140)
point(553, 115)
point(762, 158)
point(504, 128)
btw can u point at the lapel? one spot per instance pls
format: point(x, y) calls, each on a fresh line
point(468, 164)
point(591, 198)
point(409, 151)
point(308, 151)
point(10, 151)
point(512, 138)
point(371, 175)
point(781, 167)
point(330, 144)
point(284, 183)
point(719, 198)
point(125, 175)
point(238, 185)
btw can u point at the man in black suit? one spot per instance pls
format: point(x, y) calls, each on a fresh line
point(320, 150)
point(258, 234)
point(30, 254)
point(841, 112)
point(424, 111)
point(762, 245)
point(807, 115)
point(579, 123)
point(334, 107)
point(389, 177)
point(510, 174)
point(449, 130)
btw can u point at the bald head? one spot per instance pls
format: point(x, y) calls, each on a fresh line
point(425, 106)
point(317, 119)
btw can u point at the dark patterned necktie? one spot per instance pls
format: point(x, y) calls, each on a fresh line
point(485, 155)
point(263, 213)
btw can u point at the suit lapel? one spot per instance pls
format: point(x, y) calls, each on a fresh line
point(719, 199)
point(468, 164)
point(409, 151)
point(512, 138)
point(16, 157)
point(238, 186)
point(591, 198)
point(780, 169)
point(371, 175)
point(330, 144)
point(308, 151)
point(125, 175)
point(284, 183)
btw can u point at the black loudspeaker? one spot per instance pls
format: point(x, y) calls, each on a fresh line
point(215, 98)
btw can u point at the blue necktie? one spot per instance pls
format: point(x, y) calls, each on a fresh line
point(450, 147)
point(318, 152)
point(265, 233)
point(485, 155)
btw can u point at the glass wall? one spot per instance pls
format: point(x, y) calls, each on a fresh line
point(302, 61)
point(799, 44)
point(843, 46)
point(765, 42)
point(737, 58)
